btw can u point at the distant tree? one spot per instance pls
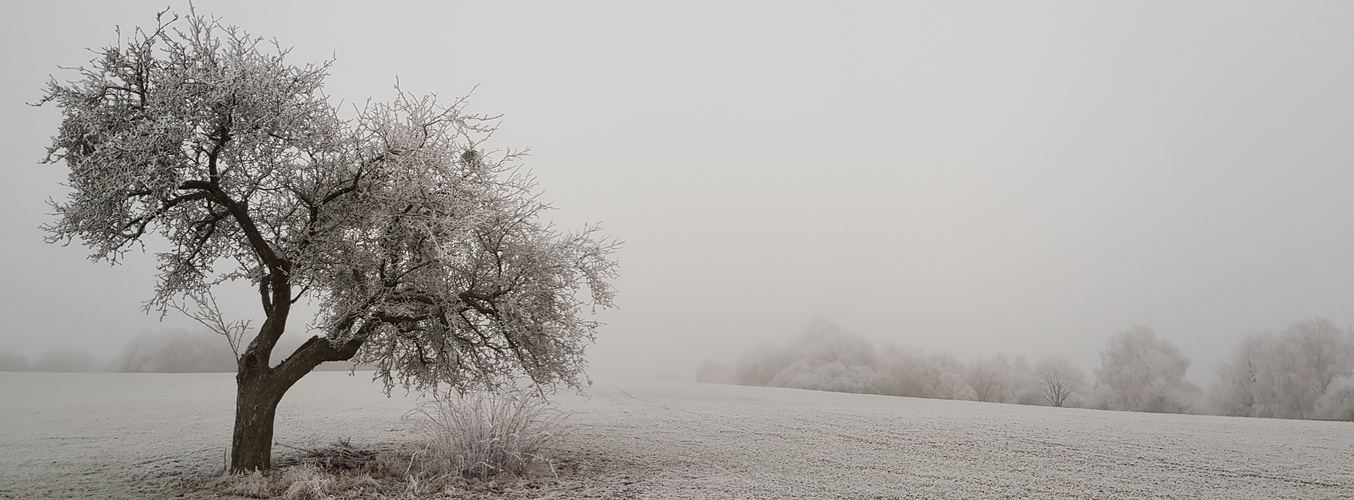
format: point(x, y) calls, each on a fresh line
point(824, 357)
point(900, 373)
point(759, 367)
point(941, 376)
point(425, 252)
point(1242, 382)
point(1058, 380)
point(11, 361)
point(1338, 402)
point(919, 375)
point(1139, 372)
point(1025, 383)
point(1286, 375)
point(991, 379)
point(832, 376)
point(1309, 357)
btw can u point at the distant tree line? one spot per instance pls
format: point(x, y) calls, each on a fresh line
point(170, 352)
point(53, 360)
point(1305, 371)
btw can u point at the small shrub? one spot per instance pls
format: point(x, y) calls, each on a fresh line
point(481, 435)
point(307, 482)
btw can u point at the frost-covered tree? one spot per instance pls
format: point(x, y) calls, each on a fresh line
point(1025, 383)
point(1058, 380)
point(824, 357)
point(1236, 391)
point(425, 252)
point(1139, 372)
point(1286, 375)
point(915, 374)
point(1311, 355)
point(1338, 402)
point(991, 379)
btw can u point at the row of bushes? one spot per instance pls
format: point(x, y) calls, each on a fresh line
point(1306, 371)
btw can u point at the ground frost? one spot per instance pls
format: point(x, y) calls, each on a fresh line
point(149, 436)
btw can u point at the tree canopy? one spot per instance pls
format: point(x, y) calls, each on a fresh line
point(1139, 372)
point(425, 250)
point(1302, 372)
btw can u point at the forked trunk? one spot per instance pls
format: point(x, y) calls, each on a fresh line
point(255, 406)
point(259, 391)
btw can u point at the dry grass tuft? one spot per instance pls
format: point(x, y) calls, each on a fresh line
point(306, 482)
point(473, 446)
point(251, 485)
point(312, 474)
point(484, 435)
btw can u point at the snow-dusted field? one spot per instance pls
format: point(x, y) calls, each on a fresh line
point(127, 436)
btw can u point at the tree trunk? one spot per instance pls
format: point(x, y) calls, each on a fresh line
point(255, 406)
point(260, 389)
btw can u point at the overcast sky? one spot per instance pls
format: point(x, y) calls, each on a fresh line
point(967, 177)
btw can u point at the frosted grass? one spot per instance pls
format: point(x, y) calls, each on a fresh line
point(131, 435)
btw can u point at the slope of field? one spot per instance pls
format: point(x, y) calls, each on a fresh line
point(133, 435)
point(719, 440)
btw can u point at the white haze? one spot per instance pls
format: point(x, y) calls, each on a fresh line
point(965, 177)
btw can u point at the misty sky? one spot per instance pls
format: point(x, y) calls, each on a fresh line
point(967, 177)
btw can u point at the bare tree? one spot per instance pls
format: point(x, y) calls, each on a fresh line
point(425, 251)
point(1059, 380)
point(991, 379)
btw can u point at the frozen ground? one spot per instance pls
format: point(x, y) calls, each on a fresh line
point(130, 435)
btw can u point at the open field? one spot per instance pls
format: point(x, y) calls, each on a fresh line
point(137, 435)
